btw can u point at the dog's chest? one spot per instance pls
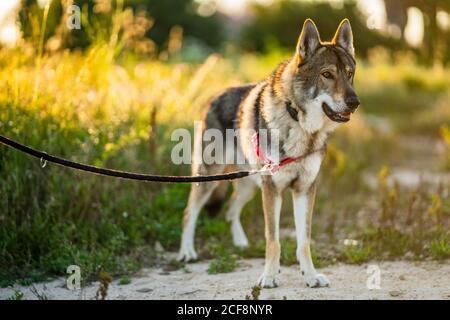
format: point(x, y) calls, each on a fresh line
point(299, 175)
point(302, 173)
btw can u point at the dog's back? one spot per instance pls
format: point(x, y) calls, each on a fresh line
point(224, 109)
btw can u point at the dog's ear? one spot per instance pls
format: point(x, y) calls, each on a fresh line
point(344, 37)
point(308, 41)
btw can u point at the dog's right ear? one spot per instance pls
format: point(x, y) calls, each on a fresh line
point(308, 41)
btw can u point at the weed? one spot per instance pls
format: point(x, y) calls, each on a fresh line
point(435, 209)
point(288, 252)
point(255, 293)
point(445, 134)
point(104, 281)
point(223, 264)
point(125, 279)
point(17, 295)
point(440, 248)
point(356, 254)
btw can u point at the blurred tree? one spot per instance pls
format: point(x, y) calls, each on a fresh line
point(182, 13)
point(30, 19)
point(434, 38)
point(97, 20)
point(280, 25)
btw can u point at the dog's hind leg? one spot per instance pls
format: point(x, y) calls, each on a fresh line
point(200, 193)
point(272, 208)
point(244, 190)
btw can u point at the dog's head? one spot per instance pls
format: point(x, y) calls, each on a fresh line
point(323, 73)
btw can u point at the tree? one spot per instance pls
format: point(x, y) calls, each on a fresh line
point(396, 12)
point(166, 14)
point(280, 23)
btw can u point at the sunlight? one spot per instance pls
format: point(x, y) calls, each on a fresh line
point(43, 3)
point(375, 12)
point(414, 28)
point(9, 35)
point(443, 19)
point(9, 31)
point(232, 6)
point(6, 6)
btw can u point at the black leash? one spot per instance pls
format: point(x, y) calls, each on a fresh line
point(122, 174)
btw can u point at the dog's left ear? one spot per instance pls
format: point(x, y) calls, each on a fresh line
point(344, 37)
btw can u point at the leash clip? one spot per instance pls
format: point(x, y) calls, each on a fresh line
point(43, 162)
point(269, 167)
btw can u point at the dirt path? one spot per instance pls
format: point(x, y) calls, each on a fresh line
point(399, 280)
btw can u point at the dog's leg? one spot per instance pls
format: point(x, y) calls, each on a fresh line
point(200, 193)
point(272, 206)
point(303, 209)
point(244, 190)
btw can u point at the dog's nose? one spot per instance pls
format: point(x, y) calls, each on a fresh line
point(352, 102)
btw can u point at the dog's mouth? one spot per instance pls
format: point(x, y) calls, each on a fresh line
point(336, 116)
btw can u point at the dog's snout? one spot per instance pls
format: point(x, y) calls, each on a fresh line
point(352, 102)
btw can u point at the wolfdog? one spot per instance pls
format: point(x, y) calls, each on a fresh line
point(305, 99)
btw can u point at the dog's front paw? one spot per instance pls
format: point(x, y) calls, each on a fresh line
point(267, 282)
point(187, 254)
point(317, 280)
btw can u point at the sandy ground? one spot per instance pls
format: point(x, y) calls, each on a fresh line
point(399, 280)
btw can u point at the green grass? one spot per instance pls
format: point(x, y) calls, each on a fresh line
point(224, 263)
point(440, 248)
point(124, 280)
point(17, 295)
point(356, 254)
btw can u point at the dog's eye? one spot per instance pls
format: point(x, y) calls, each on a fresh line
point(350, 74)
point(327, 75)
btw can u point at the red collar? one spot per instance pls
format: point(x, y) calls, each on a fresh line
point(268, 163)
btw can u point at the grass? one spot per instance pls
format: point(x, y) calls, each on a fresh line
point(118, 111)
point(124, 280)
point(224, 263)
point(254, 294)
point(17, 295)
point(356, 254)
point(440, 248)
point(445, 133)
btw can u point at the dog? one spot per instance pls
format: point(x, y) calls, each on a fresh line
point(305, 99)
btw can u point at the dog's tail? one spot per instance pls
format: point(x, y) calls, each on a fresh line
point(217, 199)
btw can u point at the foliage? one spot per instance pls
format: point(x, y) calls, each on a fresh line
point(279, 25)
point(18, 295)
point(98, 17)
point(255, 293)
point(223, 264)
point(125, 279)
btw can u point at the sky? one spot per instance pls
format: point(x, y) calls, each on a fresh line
point(373, 9)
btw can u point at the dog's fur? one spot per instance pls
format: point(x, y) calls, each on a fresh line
point(305, 99)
